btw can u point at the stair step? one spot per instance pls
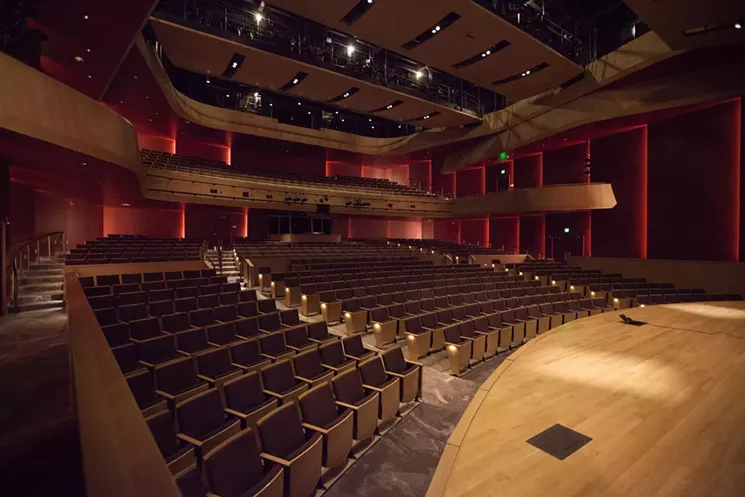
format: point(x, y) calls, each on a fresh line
point(35, 306)
point(40, 297)
point(43, 272)
point(48, 265)
point(34, 279)
point(40, 287)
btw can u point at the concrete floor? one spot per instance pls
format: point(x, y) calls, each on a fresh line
point(39, 449)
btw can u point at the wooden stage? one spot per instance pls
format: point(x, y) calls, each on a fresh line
point(663, 403)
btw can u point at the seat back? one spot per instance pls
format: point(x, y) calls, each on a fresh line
point(226, 313)
point(318, 406)
point(466, 329)
point(157, 350)
point(297, 337)
point(173, 323)
point(332, 353)
point(394, 360)
point(308, 364)
point(244, 393)
point(164, 432)
point(281, 432)
point(245, 352)
point(175, 376)
point(279, 377)
point(372, 372)
point(348, 387)
point(235, 466)
point(214, 363)
point(353, 346)
point(201, 414)
point(273, 343)
point(192, 341)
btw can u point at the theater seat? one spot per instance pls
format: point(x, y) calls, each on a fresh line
point(375, 379)
point(308, 368)
point(333, 358)
point(246, 400)
point(297, 339)
point(280, 382)
point(481, 327)
point(273, 346)
point(363, 403)
point(235, 469)
point(355, 349)
point(385, 328)
point(189, 482)
point(178, 454)
point(459, 350)
point(409, 372)
point(319, 333)
point(418, 339)
point(299, 452)
point(247, 355)
point(143, 390)
point(203, 422)
point(216, 367)
point(177, 381)
point(335, 423)
point(467, 330)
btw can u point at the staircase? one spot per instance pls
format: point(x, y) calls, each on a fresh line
point(229, 265)
point(41, 286)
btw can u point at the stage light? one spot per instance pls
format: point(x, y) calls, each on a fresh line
point(256, 94)
point(208, 81)
point(566, 230)
point(418, 74)
point(258, 17)
point(90, 77)
point(437, 28)
point(369, 1)
point(85, 17)
point(78, 58)
point(504, 171)
point(488, 52)
point(738, 25)
point(294, 81)
point(346, 95)
point(350, 50)
point(235, 65)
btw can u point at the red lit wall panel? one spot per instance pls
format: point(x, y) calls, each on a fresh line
point(399, 175)
point(368, 227)
point(505, 233)
point(254, 153)
point(411, 229)
point(533, 235)
point(150, 221)
point(565, 165)
point(446, 229)
point(470, 182)
point(214, 222)
point(693, 185)
point(420, 174)
point(84, 221)
point(158, 143)
point(428, 229)
point(621, 160)
point(374, 172)
point(343, 169)
point(474, 231)
point(528, 171)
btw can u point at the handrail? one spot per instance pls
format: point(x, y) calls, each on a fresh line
point(21, 251)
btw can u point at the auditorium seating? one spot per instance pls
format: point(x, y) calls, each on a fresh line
point(122, 249)
point(155, 160)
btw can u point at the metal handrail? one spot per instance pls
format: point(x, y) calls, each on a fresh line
point(27, 251)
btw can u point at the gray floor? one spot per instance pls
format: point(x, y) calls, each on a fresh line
point(39, 450)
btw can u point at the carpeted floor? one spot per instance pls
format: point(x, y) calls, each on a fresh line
point(39, 448)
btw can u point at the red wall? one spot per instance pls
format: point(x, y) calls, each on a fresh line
point(533, 234)
point(470, 182)
point(447, 229)
point(367, 227)
point(505, 233)
point(528, 171)
point(84, 222)
point(343, 169)
point(203, 150)
point(565, 165)
point(156, 143)
point(475, 231)
point(214, 222)
point(404, 228)
point(694, 198)
point(150, 221)
point(621, 160)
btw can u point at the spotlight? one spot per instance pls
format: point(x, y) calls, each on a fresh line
point(642, 305)
point(256, 94)
point(369, 1)
point(350, 50)
point(85, 17)
point(235, 65)
point(437, 28)
point(504, 171)
point(259, 17)
point(208, 81)
point(418, 74)
point(78, 58)
point(294, 81)
point(738, 25)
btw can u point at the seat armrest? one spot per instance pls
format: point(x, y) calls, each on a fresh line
point(235, 413)
point(414, 363)
point(318, 429)
point(276, 460)
point(187, 438)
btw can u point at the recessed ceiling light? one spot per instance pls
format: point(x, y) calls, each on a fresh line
point(299, 103)
point(738, 25)
point(259, 17)
point(88, 50)
point(235, 64)
point(135, 77)
point(294, 81)
point(90, 77)
point(121, 101)
point(308, 112)
point(125, 205)
point(350, 50)
point(78, 58)
point(369, 1)
point(147, 98)
point(208, 81)
point(85, 17)
point(227, 95)
point(271, 105)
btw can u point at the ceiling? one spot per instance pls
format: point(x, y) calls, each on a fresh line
point(102, 39)
point(206, 54)
point(670, 18)
point(392, 23)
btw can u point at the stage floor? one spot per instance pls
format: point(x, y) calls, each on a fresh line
point(664, 405)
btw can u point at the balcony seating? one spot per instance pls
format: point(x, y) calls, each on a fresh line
point(299, 452)
point(142, 386)
point(177, 381)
